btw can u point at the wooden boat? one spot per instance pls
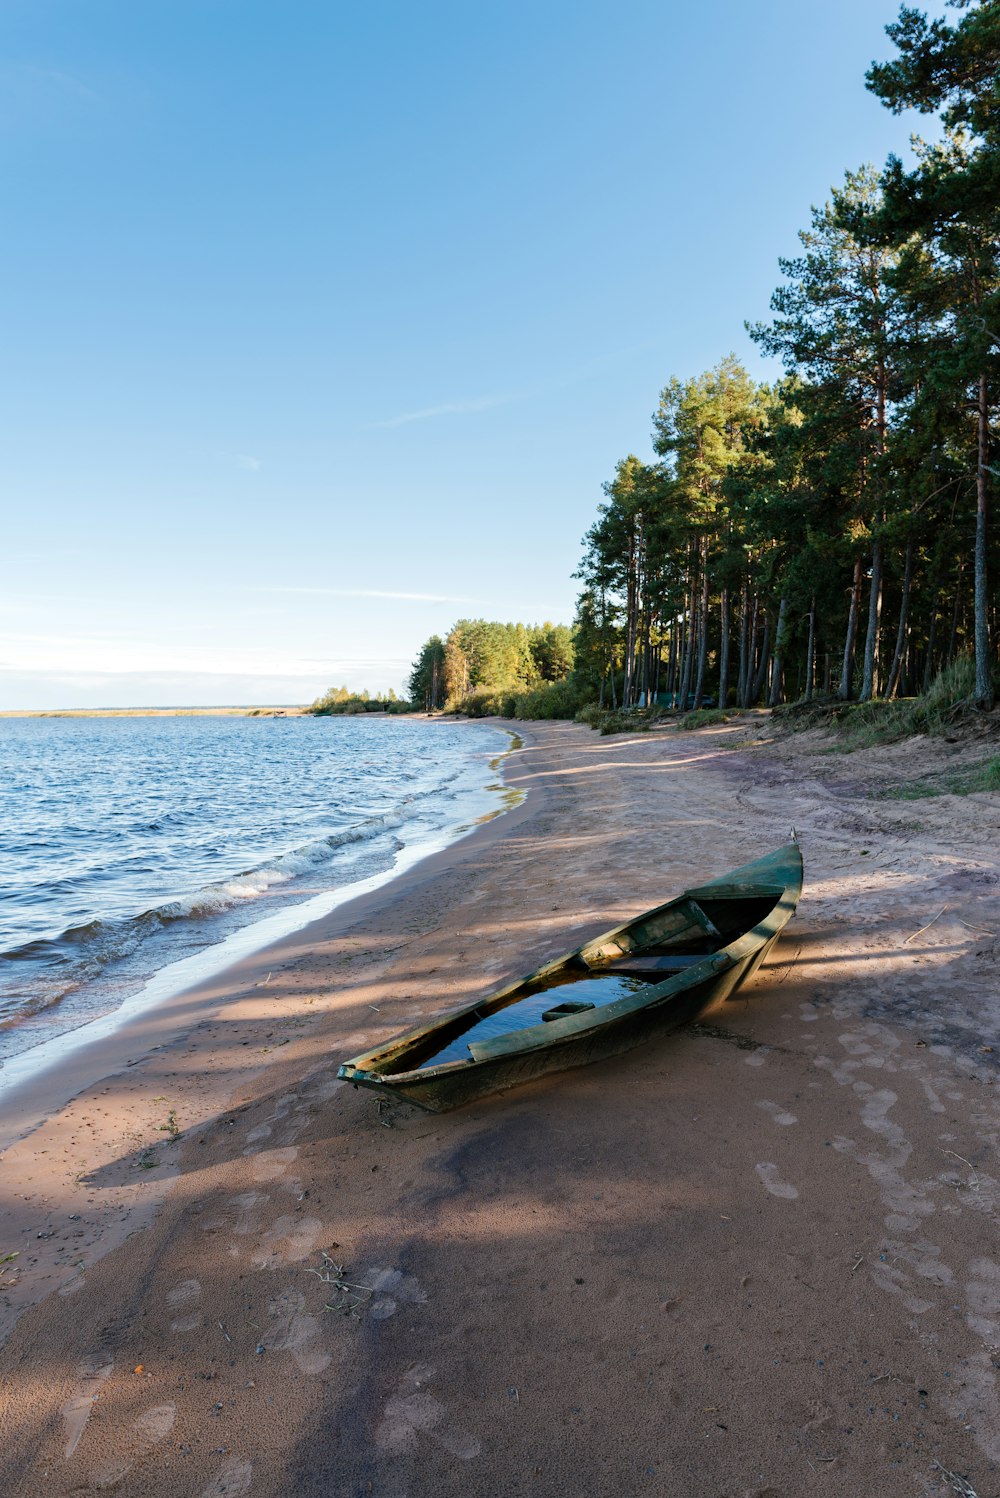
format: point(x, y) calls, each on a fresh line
point(640, 980)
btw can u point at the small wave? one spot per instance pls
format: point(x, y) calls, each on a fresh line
point(56, 966)
point(250, 883)
point(83, 948)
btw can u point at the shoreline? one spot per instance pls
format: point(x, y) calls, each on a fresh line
point(767, 1225)
point(103, 1001)
point(41, 1079)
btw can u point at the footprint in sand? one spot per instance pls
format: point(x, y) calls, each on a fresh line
point(270, 1164)
point(78, 1409)
point(391, 1286)
point(184, 1294)
point(321, 1086)
point(778, 1113)
point(291, 1114)
point(295, 1331)
point(187, 1293)
point(287, 1241)
point(246, 1205)
point(233, 1479)
point(773, 1182)
point(152, 1427)
point(412, 1413)
point(983, 1294)
point(187, 1323)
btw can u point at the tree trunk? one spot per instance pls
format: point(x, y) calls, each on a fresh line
point(929, 662)
point(807, 695)
point(685, 683)
point(909, 674)
point(699, 683)
point(984, 674)
point(869, 676)
point(847, 672)
point(646, 662)
point(779, 653)
point(631, 606)
point(724, 649)
point(765, 656)
point(902, 631)
point(741, 684)
point(751, 654)
point(956, 613)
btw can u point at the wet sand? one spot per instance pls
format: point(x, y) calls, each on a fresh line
point(755, 1257)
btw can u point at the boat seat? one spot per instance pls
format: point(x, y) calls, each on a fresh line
point(704, 921)
point(667, 963)
point(573, 1006)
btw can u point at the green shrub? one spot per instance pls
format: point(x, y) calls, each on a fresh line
point(985, 777)
point(703, 717)
point(859, 725)
point(879, 722)
point(338, 701)
point(622, 720)
point(956, 683)
point(486, 702)
point(556, 699)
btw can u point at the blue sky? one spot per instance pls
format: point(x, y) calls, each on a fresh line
point(323, 325)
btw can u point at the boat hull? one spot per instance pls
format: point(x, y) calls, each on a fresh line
point(600, 1034)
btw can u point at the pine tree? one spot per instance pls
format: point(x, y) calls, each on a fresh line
point(951, 200)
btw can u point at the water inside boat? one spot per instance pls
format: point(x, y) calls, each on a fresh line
point(585, 992)
point(650, 963)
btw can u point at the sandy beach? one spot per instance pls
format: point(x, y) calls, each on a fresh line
point(755, 1258)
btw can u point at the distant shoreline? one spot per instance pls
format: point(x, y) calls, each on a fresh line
point(280, 711)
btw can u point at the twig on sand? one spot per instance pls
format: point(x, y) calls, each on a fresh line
point(927, 927)
point(969, 927)
point(956, 1483)
point(975, 1178)
point(333, 1274)
point(861, 1260)
point(222, 1329)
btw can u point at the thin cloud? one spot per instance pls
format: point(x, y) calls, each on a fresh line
point(556, 382)
point(64, 81)
point(106, 654)
point(450, 408)
point(369, 593)
point(249, 463)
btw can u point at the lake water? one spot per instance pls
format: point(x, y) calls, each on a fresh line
point(128, 846)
